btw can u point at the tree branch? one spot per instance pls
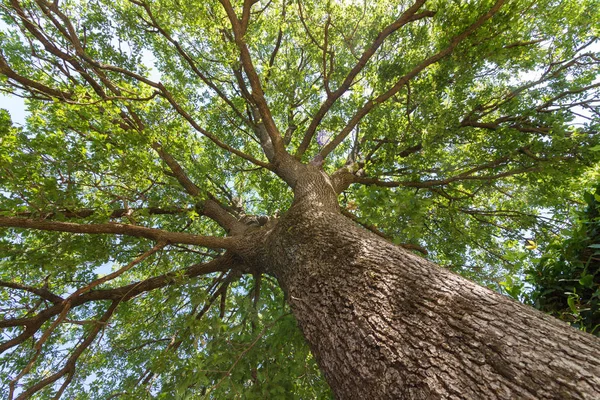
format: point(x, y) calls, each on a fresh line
point(189, 186)
point(277, 46)
point(406, 17)
point(44, 293)
point(87, 212)
point(188, 59)
point(441, 182)
point(121, 229)
point(70, 365)
point(209, 135)
point(38, 348)
point(36, 31)
point(122, 293)
point(46, 90)
point(210, 207)
point(120, 271)
point(66, 29)
point(369, 105)
point(258, 95)
point(553, 70)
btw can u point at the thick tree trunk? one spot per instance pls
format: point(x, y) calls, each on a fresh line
point(386, 324)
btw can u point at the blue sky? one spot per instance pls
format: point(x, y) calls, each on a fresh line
point(15, 106)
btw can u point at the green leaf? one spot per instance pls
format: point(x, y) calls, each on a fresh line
point(587, 281)
point(571, 303)
point(474, 150)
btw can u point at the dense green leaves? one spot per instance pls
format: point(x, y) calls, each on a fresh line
point(485, 139)
point(566, 280)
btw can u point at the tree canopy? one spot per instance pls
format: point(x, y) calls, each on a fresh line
point(154, 138)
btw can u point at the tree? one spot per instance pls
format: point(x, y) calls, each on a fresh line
point(566, 280)
point(238, 162)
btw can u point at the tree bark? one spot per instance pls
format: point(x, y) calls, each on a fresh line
point(386, 324)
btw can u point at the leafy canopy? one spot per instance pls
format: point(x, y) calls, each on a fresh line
point(466, 127)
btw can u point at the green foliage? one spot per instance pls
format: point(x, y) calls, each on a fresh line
point(566, 281)
point(474, 154)
point(250, 353)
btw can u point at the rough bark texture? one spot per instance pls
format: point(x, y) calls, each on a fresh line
point(386, 324)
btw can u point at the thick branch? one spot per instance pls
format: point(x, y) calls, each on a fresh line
point(258, 95)
point(28, 83)
point(44, 293)
point(210, 207)
point(86, 212)
point(121, 229)
point(123, 293)
point(177, 171)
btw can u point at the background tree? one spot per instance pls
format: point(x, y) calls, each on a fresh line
point(565, 282)
point(181, 169)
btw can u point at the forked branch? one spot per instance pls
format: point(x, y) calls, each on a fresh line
point(406, 17)
point(258, 95)
point(70, 365)
point(94, 72)
point(371, 104)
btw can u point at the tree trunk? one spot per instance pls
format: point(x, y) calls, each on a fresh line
point(386, 324)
